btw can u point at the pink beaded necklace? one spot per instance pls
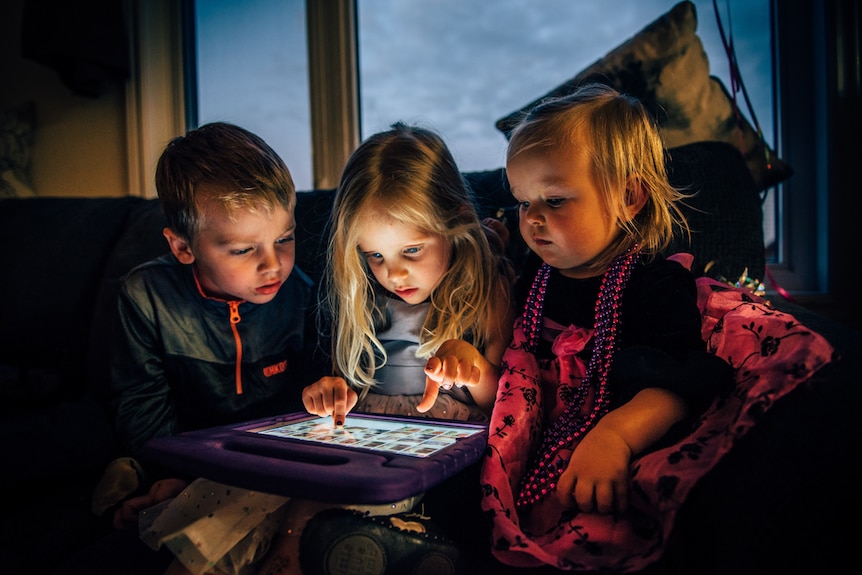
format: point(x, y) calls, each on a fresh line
point(542, 479)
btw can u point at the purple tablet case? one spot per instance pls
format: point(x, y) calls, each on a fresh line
point(234, 455)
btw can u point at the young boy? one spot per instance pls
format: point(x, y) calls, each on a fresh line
point(221, 330)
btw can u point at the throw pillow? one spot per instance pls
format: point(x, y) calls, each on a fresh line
point(666, 67)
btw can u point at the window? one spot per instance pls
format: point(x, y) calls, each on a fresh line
point(459, 66)
point(453, 65)
point(252, 70)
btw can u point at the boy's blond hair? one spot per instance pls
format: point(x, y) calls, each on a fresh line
point(411, 173)
point(625, 149)
point(228, 164)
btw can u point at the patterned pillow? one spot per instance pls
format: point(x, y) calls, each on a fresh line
point(666, 67)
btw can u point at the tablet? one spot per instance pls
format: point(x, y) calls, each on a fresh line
point(372, 459)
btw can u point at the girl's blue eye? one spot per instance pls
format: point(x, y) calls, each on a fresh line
point(412, 251)
point(240, 252)
point(284, 240)
point(523, 205)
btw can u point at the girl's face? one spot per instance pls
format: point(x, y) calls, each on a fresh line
point(562, 218)
point(246, 257)
point(405, 260)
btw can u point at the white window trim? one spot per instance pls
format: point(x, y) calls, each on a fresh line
point(333, 86)
point(155, 95)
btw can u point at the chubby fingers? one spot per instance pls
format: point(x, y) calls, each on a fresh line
point(445, 372)
point(610, 497)
point(451, 370)
point(329, 396)
point(602, 497)
point(432, 389)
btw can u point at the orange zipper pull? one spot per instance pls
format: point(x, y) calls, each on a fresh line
point(234, 319)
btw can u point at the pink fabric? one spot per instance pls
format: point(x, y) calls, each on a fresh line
point(771, 354)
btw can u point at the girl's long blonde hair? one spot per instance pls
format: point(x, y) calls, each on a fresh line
point(626, 149)
point(410, 171)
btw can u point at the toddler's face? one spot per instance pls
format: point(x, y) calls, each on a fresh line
point(405, 260)
point(562, 218)
point(247, 256)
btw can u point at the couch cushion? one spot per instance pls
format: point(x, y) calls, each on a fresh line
point(666, 67)
point(55, 250)
point(139, 241)
point(490, 191)
point(724, 214)
point(312, 219)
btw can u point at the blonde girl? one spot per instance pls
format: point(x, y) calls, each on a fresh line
point(420, 308)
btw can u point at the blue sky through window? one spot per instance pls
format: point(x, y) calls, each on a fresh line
point(454, 65)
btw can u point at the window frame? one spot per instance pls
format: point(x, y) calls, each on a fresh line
point(817, 53)
point(800, 93)
point(157, 95)
point(806, 35)
point(334, 74)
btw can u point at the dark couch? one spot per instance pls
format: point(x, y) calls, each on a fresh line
point(775, 504)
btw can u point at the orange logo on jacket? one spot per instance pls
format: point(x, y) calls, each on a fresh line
point(279, 367)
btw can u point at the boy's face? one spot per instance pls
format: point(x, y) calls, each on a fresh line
point(244, 257)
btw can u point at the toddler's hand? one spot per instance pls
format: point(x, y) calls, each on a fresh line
point(456, 363)
point(597, 477)
point(330, 396)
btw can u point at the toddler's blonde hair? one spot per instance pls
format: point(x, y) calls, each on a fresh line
point(625, 148)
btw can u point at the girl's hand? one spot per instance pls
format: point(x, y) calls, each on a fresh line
point(597, 477)
point(329, 396)
point(456, 363)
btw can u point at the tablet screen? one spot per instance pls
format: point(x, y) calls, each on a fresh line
point(405, 437)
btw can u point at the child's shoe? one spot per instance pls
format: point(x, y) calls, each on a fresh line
point(121, 479)
point(346, 542)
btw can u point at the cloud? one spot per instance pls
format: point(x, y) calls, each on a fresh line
point(452, 65)
point(459, 66)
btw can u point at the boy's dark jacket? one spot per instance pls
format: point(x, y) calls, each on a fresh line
point(175, 354)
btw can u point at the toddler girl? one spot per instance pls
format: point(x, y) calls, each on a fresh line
point(607, 360)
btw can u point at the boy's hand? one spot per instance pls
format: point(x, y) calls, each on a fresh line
point(126, 514)
point(330, 396)
point(456, 363)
